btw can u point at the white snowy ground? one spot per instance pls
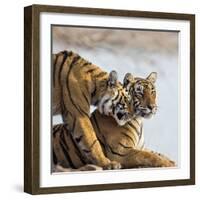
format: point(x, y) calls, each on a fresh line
point(138, 52)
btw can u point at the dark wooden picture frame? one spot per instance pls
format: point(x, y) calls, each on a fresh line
point(32, 93)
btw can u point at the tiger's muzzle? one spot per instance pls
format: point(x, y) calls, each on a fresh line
point(146, 112)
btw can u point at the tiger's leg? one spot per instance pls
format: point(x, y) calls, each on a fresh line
point(85, 137)
point(75, 111)
point(143, 158)
point(68, 154)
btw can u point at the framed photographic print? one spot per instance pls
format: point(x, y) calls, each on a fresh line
point(109, 99)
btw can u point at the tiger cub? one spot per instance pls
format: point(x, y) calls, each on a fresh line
point(77, 84)
point(124, 144)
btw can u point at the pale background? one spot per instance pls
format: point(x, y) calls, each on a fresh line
point(140, 53)
point(11, 77)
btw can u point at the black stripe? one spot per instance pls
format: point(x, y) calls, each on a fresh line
point(77, 150)
point(55, 59)
point(127, 129)
point(75, 59)
point(86, 63)
point(63, 110)
point(56, 128)
point(86, 151)
point(128, 137)
point(103, 143)
point(103, 146)
point(116, 96)
point(106, 146)
point(106, 101)
point(91, 70)
point(55, 160)
point(65, 51)
point(82, 111)
point(61, 66)
point(94, 142)
point(137, 122)
point(101, 74)
point(103, 107)
point(89, 150)
point(86, 98)
point(118, 101)
point(94, 92)
point(96, 102)
point(124, 146)
point(62, 136)
point(74, 124)
point(67, 156)
point(54, 69)
point(113, 109)
point(132, 126)
point(114, 152)
point(96, 123)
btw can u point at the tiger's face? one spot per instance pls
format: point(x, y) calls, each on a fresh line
point(143, 94)
point(116, 101)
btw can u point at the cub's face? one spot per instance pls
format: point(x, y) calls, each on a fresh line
point(116, 102)
point(143, 94)
point(145, 98)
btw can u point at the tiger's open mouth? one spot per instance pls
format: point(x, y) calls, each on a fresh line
point(120, 115)
point(122, 118)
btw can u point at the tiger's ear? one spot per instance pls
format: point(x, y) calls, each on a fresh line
point(112, 79)
point(128, 79)
point(152, 77)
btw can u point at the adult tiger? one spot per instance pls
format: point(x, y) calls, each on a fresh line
point(124, 144)
point(77, 84)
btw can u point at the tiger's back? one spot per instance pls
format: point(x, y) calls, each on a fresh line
point(75, 74)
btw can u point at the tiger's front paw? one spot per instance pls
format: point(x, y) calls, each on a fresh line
point(112, 165)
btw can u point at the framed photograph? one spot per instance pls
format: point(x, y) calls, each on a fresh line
point(109, 99)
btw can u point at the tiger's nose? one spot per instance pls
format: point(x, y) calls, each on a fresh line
point(150, 107)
